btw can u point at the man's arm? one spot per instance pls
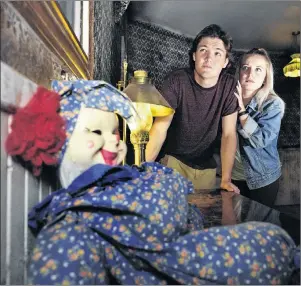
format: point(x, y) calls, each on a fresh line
point(157, 136)
point(228, 149)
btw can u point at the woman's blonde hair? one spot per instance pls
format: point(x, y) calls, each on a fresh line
point(267, 90)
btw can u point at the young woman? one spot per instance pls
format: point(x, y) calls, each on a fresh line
point(257, 167)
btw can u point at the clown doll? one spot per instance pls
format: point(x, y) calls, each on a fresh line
point(112, 224)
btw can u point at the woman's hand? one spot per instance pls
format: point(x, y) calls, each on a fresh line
point(238, 95)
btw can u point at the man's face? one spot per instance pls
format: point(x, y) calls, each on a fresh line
point(210, 58)
point(95, 139)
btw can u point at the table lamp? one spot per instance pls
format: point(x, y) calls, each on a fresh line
point(149, 103)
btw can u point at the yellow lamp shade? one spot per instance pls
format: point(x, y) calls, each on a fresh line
point(145, 121)
point(140, 90)
point(292, 69)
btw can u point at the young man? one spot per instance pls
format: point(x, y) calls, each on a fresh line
point(204, 102)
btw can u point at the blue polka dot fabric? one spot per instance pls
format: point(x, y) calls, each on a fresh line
point(129, 225)
point(92, 94)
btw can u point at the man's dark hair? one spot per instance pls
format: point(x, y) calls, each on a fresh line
point(213, 31)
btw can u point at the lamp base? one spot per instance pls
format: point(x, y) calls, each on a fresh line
point(139, 141)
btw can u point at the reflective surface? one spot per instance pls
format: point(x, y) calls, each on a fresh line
point(225, 208)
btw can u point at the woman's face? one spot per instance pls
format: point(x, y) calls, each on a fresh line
point(253, 72)
point(95, 139)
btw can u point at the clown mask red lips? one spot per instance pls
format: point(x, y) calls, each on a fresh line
point(109, 157)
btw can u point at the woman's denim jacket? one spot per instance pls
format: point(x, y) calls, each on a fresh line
point(258, 142)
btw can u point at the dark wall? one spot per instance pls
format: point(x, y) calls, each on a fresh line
point(107, 42)
point(156, 50)
point(159, 51)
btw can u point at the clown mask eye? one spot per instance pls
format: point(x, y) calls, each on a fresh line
point(97, 131)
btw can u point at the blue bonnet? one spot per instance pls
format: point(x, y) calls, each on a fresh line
point(92, 94)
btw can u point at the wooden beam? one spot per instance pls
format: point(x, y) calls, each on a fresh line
point(48, 21)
